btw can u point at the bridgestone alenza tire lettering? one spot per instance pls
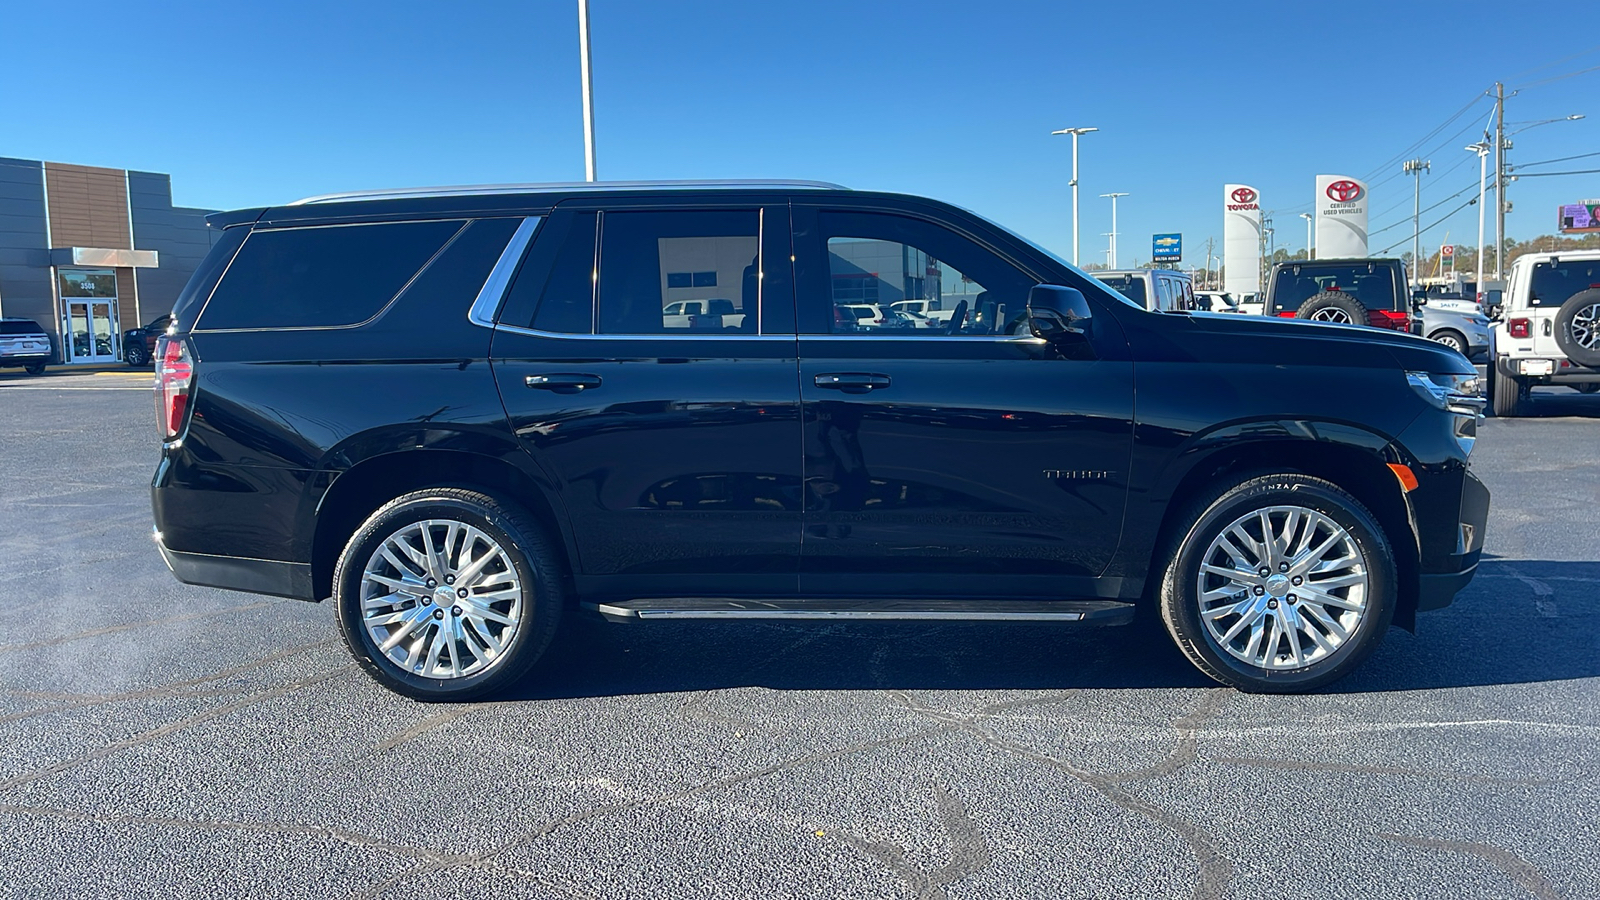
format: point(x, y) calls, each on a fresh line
point(448, 594)
point(1281, 583)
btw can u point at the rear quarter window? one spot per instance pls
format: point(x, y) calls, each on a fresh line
point(321, 276)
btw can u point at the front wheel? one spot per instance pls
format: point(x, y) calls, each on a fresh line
point(448, 594)
point(1452, 339)
point(1283, 583)
point(137, 355)
point(34, 368)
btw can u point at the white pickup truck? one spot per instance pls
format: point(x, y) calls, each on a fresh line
point(1548, 331)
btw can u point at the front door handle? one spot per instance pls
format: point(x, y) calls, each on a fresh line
point(563, 382)
point(852, 382)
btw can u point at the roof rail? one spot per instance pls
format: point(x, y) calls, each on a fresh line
point(477, 189)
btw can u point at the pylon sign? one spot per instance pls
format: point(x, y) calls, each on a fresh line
point(1341, 211)
point(1241, 239)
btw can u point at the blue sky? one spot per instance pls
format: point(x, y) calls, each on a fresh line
point(252, 103)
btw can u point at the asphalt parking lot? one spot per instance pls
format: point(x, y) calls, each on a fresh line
point(164, 740)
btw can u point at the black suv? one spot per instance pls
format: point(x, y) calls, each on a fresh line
point(1347, 291)
point(467, 413)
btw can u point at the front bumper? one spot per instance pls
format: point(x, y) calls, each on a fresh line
point(1451, 542)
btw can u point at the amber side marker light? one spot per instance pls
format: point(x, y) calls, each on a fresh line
point(1408, 481)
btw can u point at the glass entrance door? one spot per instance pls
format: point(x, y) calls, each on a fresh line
point(89, 297)
point(91, 332)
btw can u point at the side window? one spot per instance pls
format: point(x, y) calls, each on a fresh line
point(554, 290)
point(903, 277)
point(707, 261)
point(324, 276)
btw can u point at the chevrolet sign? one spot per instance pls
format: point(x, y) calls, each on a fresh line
point(1166, 247)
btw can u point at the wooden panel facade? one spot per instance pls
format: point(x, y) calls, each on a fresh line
point(88, 206)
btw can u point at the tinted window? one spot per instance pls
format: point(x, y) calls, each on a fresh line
point(1127, 285)
point(1370, 284)
point(644, 257)
point(1555, 283)
point(905, 277)
point(558, 279)
point(322, 276)
point(20, 326)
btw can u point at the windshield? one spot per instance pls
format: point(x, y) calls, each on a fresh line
point(1554, 283)
point(1126, 285)
point(1369, 284)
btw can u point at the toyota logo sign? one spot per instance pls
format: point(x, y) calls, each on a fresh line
point(1244, 195)
point(1344, 191)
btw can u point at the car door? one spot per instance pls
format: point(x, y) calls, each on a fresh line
point(967, 460)
point(673, 441)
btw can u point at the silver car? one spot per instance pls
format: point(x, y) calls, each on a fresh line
point(1458, 324)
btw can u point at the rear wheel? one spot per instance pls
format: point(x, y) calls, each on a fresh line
point(448, 594)
point(34, 369)
point(1587, 388)
point(1506, 392)
point(1283, 583)
point(1332, 306)
point(137, 355)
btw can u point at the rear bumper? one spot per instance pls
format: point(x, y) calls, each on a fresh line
point(235, 573)
point(1563, 374)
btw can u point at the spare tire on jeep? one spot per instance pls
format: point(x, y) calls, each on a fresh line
point(1333, 306)
point(1578, 327)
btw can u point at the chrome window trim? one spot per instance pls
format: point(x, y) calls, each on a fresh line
point(471, 190)
point(494, 287)
point(687, 336)
point(991, 338)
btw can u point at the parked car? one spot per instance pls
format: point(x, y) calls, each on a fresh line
point(139, 344)
point(1215, 301)
point(927, 313)
point(1457, 325)
point(476, 434)
point(1344, 291)
point(23, 344)
point(1162, 290)
point(1549, 331)
point(1250, 303)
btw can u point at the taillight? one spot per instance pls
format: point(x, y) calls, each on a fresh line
point(1286, 315)
point(174, 376)
point(1385, 318)
point(1520, 328)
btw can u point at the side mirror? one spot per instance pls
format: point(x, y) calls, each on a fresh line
point(1058, 314)
point(1419, 299)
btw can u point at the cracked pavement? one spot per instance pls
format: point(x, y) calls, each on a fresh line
point(163, 739)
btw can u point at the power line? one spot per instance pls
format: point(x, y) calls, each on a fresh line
point(1441, 221)
point(1545, 81)
point(1425, 138)
point(1428, 209)
point(1559, 159)
point(1551, 65)
point(1548, 174)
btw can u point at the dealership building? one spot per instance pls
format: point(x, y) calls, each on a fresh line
point(88, 252)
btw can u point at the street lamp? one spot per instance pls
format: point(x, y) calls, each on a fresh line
point(1075, 132)
point(1501, 173)
point(1310, 254)
point(1113, 234)
point(1481, 148)
point(588, 91)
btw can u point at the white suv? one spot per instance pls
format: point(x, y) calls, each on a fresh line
point(1548, 331)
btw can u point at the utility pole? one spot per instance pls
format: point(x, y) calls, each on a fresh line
point(1265, 253)
point(1113, 235)
point(1499, 174)
point(1416, 167)
point(588, 91)
point(1310, 245)
point(1210, 242)
point(1075, 132)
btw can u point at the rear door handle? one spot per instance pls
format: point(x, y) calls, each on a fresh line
point(563, 382)
point(852, 382)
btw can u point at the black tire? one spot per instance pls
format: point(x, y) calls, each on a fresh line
point(1578, 327)
point(532, 560)
point(1214, 513)
point(1506, 393)
point(1455, 340)
point(1333, 306)
point(35, 368)
point(137, 355)
point(1587, 388)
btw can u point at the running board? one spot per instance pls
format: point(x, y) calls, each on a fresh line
point(1098, 612)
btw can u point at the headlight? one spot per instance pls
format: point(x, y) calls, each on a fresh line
point(1460, 394)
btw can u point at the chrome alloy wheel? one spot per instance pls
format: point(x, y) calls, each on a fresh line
point(1332, 314)
point(441, 599)
point(1282, 588)
point(1585, 326)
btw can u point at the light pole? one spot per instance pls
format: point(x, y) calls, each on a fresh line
point(1075, 132)
point(1416, 167)
point(588, 91)
point(1114, 197)
point(1482, 149)
point(1310, 248)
